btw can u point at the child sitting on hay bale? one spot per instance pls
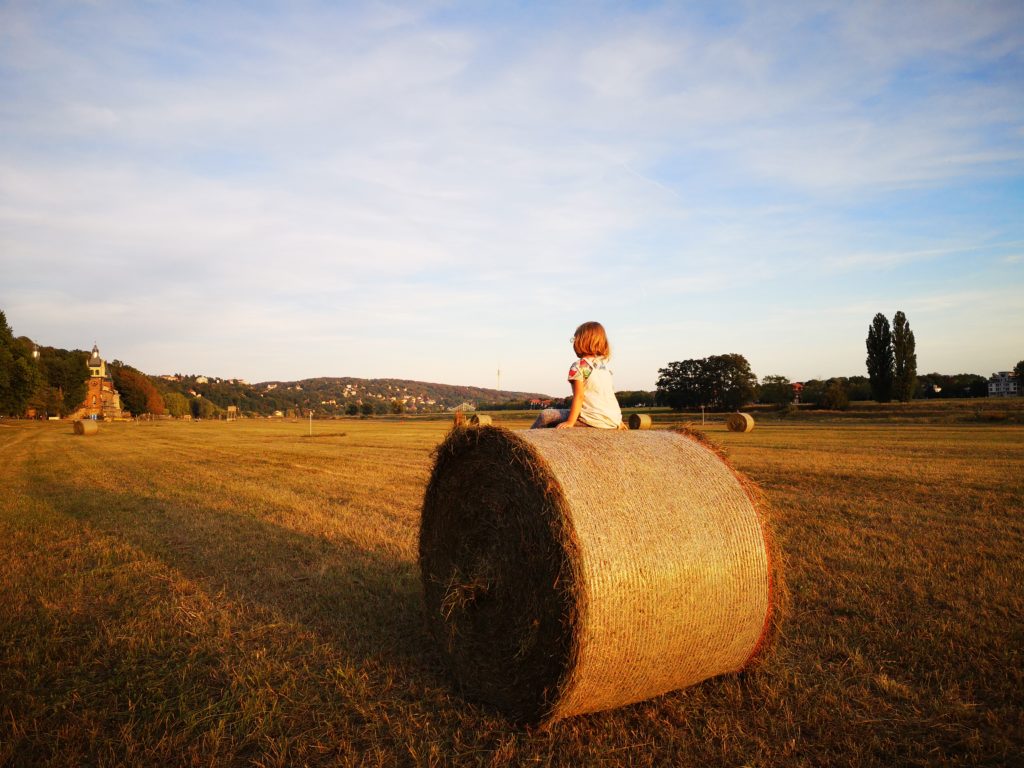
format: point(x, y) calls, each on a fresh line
point(593, 396)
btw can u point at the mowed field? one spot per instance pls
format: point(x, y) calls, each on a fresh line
point(245, 594)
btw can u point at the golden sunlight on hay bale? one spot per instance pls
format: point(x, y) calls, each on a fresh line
point(740, 422)
point(86, 427)
point(573, 571)
point(640, 421)
point(480, 420)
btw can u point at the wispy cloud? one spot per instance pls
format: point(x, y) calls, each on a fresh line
point(338, 174)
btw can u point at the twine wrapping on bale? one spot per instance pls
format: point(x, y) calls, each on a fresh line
point(86, 427)
point(740, 422)
point(640, 421)
point(571, 571)
point(479, 419)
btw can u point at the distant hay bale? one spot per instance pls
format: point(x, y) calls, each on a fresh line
point(571, 571)
point(740, 422)
point(640, 421)
point(480, 420)
point(86, 427)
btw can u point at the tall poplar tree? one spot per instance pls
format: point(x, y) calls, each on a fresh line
point(904, 359)
point(880, 361)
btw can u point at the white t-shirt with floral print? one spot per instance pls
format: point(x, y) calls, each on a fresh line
point(600, 408)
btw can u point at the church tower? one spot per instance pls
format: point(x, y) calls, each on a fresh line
point(97, 366)
point(102, 401)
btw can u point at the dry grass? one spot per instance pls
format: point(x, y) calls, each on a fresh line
point(241, 594)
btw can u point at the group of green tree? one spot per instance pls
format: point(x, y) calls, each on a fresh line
point(41, 379)
point(19, 375)
point(725, 382)
point(718, 382)
point(892, 359)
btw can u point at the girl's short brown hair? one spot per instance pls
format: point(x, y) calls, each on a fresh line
point(590, 340)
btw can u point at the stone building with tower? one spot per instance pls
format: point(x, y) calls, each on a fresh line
point(102, 400)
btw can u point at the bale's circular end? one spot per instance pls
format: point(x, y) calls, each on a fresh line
point(480, 419)
point(640, 421)
point(740, 422)
point(497, 572)
point(85, 427)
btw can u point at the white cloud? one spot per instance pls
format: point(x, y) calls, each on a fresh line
point(339, 174)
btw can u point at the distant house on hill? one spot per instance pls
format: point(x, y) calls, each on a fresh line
point(1003, 384)
point(102, 400)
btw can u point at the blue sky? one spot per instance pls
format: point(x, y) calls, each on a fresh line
point(434, 190)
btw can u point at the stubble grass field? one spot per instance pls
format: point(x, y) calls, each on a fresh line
point(245, 594)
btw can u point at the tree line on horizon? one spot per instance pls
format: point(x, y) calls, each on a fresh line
point(52, 381)
point(725, 382)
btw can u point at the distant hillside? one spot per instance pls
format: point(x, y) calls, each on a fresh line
point(336, 396)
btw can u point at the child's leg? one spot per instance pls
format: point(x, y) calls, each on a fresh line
point(549, 417)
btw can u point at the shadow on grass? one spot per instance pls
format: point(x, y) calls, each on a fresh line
point(365, 604)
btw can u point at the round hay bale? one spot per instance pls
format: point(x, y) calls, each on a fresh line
point(740, 422)
point(86, 427)
point(640, 421)
point(480, 420)
point(571, 571)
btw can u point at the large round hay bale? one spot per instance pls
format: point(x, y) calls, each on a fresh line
point(86, 427)
point(480, 419)
point(640, 421)
point(571, 571)
point(740, 422)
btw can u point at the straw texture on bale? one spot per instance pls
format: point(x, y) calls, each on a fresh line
point(640, 421)
point(479, 419)
point(740, 422)
point(86, 427)
point(571, 571)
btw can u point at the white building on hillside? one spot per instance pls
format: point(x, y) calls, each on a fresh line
point(1003, 384)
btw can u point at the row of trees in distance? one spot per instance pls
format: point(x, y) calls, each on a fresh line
point(53, 381)
point(726, 383)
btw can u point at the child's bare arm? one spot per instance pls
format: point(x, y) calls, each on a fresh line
point(577, 404)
